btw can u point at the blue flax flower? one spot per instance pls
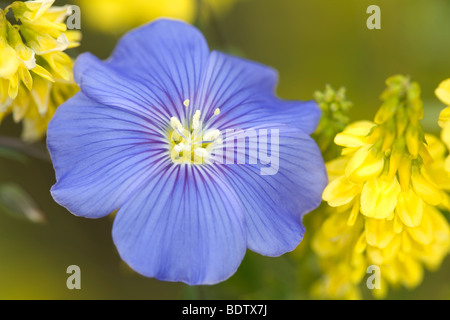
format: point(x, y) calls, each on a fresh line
point(129, 141)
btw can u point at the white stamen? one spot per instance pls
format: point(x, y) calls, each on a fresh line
point(186, 103)
point(211, 135)
point(196, 120)
point(176, 124)
point(201, 152)
point(179, 147)
point(217, 112)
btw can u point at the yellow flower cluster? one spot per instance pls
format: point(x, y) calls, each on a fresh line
point(35, 74)
point(384, 194)
point(118, 16)
point(443, 93)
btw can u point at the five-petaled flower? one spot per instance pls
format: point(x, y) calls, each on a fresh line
point(129, 142)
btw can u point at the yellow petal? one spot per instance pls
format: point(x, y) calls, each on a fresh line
point(379, 198)
point(411, 271)
point(379, 232)
point(412, 140)
point(60, 63)
point(26, 78)
point(40, 71)
point(409, 208)
point(447, 164)
point(404, 172)
point(335, 225)
point(26, 56)
point(21, 104)
point(361, 244)
point(354, 135)
point(445, 135)
point(424, 188)
point(9, 63)
point(423, 233)
point(336, 168)
point(435, 147)
point(444, 117)
point(354, 213)
point(441, 228)
point(398, 226)
point(41, 94)
point(37, 8)
point(13, 86)
point(365, 164)
point(443, 91)
point(340, 191)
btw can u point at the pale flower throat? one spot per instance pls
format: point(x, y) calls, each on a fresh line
point(189, 143)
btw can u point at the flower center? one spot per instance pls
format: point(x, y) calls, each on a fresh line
point(191, 143)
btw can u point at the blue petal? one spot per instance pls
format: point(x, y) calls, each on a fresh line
point(275, 203)
point(164, 61)
point(107, 86)
point(245, 93)
point(101, 155)
point(186, 225)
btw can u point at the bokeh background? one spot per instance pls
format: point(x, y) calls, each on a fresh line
point(311, 44)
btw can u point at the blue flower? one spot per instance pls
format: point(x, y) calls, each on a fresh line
point(129, 141)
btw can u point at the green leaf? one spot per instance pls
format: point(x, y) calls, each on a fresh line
point(12, 154)
point(15, 201)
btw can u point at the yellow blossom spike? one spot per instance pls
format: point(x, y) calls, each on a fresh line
point(365, 164)
point(379, 198)
point(409, 208)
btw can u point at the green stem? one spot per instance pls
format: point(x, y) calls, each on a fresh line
point(35, 151)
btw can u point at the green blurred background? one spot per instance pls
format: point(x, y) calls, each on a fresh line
point(311, 44)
